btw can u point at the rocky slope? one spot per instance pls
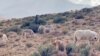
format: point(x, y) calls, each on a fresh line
point(26, 35)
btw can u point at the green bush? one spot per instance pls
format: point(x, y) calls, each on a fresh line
point(34, 27)
point(25, 24)
point(39, 20)
point(87, 10)
point(36, 54)
point(85, 51)
point(45, 50)
point(29, 45)
point(79, 16)
point(70, 48)
point(16, 29)
point(61, 47)
point(1, 23)
point(59, 20)
point(82, 46)
point(34, 24)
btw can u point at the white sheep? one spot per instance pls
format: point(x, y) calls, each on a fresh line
point(89, 35)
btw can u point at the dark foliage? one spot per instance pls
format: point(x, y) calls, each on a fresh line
point(13, 29)
point(59, 20)
point(87, 10)
point(79, 17)
point(46, 50)
point(39, 20)
point(34, 27)
point(61, 47)
point(70, 48)
point(25, 24)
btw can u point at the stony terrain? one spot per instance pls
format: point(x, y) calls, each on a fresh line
point(26, 35)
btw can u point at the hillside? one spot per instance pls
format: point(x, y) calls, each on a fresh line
point(26, 35)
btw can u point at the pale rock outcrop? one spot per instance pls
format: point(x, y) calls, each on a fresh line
point(27, 33)
point(3, 40)
point(46, 29)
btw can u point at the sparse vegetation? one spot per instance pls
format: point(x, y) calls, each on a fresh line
point(61, 47)
point(85, 51)
point(79, 17)
point(1, 23)
point(39, 20)
point(36, 54)
point(34, 24)
point(62, 26)
point(70, 48)
point(59, 20)
point(29, 45)
point(16, 29)
point(34, 27)
point(45, 50)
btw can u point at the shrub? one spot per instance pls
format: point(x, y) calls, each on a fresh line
point(16, 29)
point(39, 20)
point(70, 48)
point(34, 28)
point(85, 51)
point(59, 20)
point(87, 10)
point(36, 54)
point(61, 47)
point(79, 17)
point(1, 23)
point(25, 24)
point(82, 46)
point(45, 50)
point(29, 45)
point(97, 46)
point(34, 24)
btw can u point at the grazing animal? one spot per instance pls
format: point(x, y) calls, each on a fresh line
point(89, 35)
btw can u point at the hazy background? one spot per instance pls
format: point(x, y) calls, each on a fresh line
point(24, 8)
